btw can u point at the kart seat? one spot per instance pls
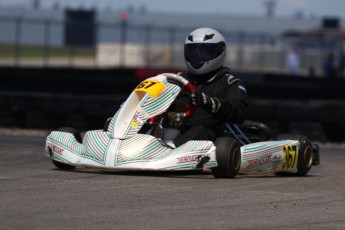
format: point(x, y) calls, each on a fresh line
point(171, 134)
point(166, 134)
point(248, 132)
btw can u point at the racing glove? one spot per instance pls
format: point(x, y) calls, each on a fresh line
point(212, 104)
point(174, 119)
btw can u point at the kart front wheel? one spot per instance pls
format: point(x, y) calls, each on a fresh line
point(62, 166)
point(228, 154)
point(75, 133)
point(305, 154)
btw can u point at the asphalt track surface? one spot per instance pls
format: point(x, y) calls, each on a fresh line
point(35, 195)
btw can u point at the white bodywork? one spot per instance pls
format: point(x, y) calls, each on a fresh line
point(269, 156)
point(122, 147)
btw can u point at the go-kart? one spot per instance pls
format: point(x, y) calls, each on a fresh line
point(135, 139)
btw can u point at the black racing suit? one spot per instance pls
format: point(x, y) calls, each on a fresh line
point(203, 124)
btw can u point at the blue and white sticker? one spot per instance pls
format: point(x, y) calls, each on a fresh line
point(242, 88)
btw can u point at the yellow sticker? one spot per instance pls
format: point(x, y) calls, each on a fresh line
point(290, 157)
point(152, 87)
point(135, 124)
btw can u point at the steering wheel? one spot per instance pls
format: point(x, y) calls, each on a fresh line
point(185, 85)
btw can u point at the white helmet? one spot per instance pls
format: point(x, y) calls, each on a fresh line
point(204, 51)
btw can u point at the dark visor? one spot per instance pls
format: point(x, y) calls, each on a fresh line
point(203, 52)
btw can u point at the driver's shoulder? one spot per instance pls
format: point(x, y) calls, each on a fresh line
point(227, 80)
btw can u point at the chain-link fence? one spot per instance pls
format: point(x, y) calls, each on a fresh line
point(39, 42)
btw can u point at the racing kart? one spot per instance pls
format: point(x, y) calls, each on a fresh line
point(135, 138)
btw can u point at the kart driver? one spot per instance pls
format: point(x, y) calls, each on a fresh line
point(219, 97)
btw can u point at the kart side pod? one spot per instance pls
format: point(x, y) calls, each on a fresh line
point(288, 155)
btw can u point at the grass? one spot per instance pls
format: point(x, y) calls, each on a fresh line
point(8, 51)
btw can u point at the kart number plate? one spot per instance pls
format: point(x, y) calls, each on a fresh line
point(152, 87)
point(290, 157)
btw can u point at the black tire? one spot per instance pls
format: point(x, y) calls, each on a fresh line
point(106, 125)
point(77, 136)
point(75, 133)
point(228, 156)
point(62, 166)
point(305, 154)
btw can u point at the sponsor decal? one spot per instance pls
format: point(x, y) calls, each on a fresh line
point(55, 149)
point(186, 159)
point(242, 88)
point(259, 161)
point(135, 124)
point(138, 119)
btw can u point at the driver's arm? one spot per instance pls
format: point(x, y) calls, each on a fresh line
point(234, 104)
point(231, 105)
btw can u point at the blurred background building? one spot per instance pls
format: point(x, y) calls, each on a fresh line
point(131, 36)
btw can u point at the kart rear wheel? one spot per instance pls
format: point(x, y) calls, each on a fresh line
point(77, 136)
point(305, 154)
point(228, 154)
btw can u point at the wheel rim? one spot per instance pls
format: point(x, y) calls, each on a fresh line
point(308, 156)
point(237, 159)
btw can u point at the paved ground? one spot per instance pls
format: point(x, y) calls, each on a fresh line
point(35, 195)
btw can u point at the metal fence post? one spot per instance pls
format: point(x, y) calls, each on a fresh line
point(240, 51)
point(148, 30)
point(95, 43)
point(123, 42)
point(46, 50)
point(71, 55)
point(282, 58)
point(172, 44)
point(18, 31)
point(262, 52)
point(69, 26)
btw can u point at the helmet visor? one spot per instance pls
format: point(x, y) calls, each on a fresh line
point(203, 52)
